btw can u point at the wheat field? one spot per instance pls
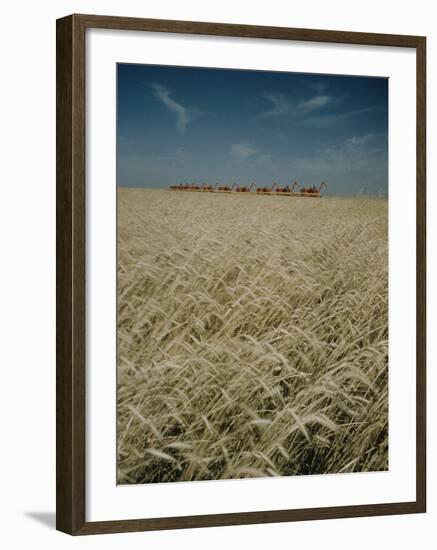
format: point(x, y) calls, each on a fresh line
point(252, 336)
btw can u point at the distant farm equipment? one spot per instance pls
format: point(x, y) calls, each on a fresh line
point(265, 190)
point(274, 189)
point(244, 189)
point(209, 188)
point(312, 191)
point(287, 191)
point(225, 188)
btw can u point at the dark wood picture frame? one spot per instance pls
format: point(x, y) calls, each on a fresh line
point(70, 275)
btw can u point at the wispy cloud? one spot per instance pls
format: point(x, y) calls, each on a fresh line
point(307, 113)
point(365, 155)
point(243, 150)
point(314, 103)
point(282, 105)
point(328, 121)
point(183, 117)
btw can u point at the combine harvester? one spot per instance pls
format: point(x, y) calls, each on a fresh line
point(274, 190)
point(208, 188)
point(244, 189)
point(265, 190)
point(185, 187)
point(312, 191)
point(195, 187)
point(225, 188)
point(188, 187)
point(286, 191)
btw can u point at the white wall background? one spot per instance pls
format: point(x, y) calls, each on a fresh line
point(27, 272)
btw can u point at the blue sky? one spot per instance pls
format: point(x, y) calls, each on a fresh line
point(180, 124)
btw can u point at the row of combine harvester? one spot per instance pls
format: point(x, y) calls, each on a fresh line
point(293, 191)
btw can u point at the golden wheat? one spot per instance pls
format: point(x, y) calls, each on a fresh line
point(252, 336)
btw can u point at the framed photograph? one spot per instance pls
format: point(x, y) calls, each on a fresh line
point(240, 274)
